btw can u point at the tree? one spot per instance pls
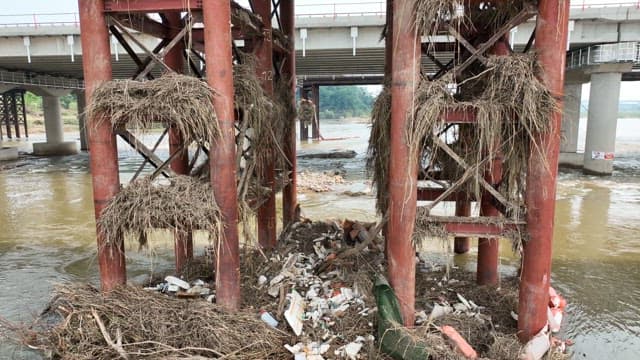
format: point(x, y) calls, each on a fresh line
point(344, 101)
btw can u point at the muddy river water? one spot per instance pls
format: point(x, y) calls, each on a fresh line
point(47, 236)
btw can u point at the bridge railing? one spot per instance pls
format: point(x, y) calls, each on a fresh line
point(322, 8)
point(36, 20)
point(21, 78)
point(336, 9)
point(604, 53)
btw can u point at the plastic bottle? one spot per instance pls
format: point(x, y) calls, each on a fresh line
point(268, 319)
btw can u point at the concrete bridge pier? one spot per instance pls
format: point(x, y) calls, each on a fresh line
point(603, 118)
point(54, 130)
point(569, 155)
point(571, 117)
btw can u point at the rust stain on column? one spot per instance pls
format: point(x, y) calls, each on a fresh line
point(551, 42)
point(403, 168)
point(103, 159)
point(217, 35)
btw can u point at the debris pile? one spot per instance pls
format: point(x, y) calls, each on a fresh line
point(318, 182)
point(311, 298)
point(324, 289)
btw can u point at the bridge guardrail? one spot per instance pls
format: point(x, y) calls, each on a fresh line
point(604, 53)
point(320, 9)
point(20, 78)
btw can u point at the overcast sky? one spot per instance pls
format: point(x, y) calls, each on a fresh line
point(48, 6)
point(629, 90)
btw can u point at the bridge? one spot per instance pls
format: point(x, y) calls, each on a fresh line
point(42, 54)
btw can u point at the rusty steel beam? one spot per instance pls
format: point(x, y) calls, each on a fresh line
point(183, 241)
point(289, 193)
point(264, 70)
point(477, 229)
point(103, 158)
point(489, 248)
point(551, 41)
point(150, 6)
point(466, 116)
point(462, 244)
point(222, 157)
point(430, 194)
point(403, 170)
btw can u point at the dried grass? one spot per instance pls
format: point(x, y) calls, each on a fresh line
point(184, 205)
point(183, 102)
point(379, 150)
point(511, 106)
point(139, 324)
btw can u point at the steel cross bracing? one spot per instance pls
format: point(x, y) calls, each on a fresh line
point(181, 43)
point(137, 20)
point(467, 54)
point(13, 113)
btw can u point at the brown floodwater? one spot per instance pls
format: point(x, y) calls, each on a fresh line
point(47, 236)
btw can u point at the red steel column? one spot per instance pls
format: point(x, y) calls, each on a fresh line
point(461, 245)
point(217, 45)
point(388, 61)
point(489, 248)
point(551, 42)
point(183, 241)
point(264, 69)
point(403, 169)
point(289, 193)
point(103, 159)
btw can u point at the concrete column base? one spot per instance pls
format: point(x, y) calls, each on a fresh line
point(8, 153)
point(57, 149)
point(571, 160)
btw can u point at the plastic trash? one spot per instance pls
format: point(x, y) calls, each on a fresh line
point(393, 338)
point(554, 316)
point(172, 280)
point(294, 313)
point(459, 344)
point(536, 347)
point(268, 319)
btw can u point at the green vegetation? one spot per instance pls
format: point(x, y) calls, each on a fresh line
point(344, 101)
point(35, 113)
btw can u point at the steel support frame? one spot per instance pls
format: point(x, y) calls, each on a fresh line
point(289, 193)
point(489, 248)
point(403, 170)
point(174, 59)
point(264, 70)
point(217, 45)
point(102, 141)
point(551, 41)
